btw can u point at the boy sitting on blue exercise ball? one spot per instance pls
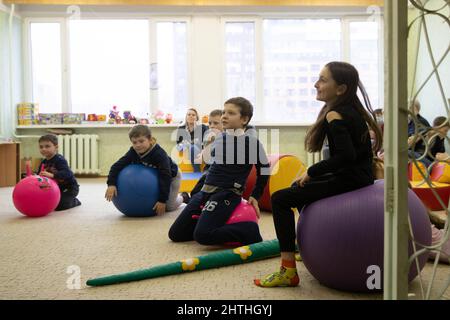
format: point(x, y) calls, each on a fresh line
point(146, 151)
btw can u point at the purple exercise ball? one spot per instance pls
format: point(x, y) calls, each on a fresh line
point(341, 236)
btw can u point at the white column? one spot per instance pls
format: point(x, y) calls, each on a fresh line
point(396, 152)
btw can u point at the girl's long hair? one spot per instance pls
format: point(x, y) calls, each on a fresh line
point(344, 73)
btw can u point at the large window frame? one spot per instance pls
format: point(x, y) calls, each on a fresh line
point(345, 17)
point(66, 103)
point(345, 20)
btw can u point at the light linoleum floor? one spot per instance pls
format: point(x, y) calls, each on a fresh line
point(39, 256)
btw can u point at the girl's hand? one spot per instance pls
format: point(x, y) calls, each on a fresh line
point(442, 156)
point(160, 208)
point(255, 205)
point(199, 158)
point(303, 179)
point(111, 192)
point(47, 174)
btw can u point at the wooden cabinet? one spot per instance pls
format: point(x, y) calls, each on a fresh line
point(9, 163)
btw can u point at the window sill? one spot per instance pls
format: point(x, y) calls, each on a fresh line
point(171, 125)
point(92, 125)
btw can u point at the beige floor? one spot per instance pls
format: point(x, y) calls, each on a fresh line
point(36, 255)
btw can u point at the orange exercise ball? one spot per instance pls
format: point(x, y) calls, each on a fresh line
point(284, 169)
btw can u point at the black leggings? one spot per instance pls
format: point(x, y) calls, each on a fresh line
point(214, 210)
point(199, 185)
point(68, 199)
point(297, 197)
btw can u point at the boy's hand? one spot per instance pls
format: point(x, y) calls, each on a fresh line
point(255, 205)
point(111, 192)
point(160, 208)
point(199, 157)
point(47, 174)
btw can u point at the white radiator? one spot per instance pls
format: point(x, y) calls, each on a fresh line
point(80, 151)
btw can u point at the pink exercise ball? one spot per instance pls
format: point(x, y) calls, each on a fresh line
point(36, 196)
point(244, 212)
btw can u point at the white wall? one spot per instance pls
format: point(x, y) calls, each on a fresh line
point(11, 80)
point(207, 79)
point(432, 101)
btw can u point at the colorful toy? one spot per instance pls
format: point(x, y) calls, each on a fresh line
point(169, 118)
point(159, 117)
point(441, 172)
point(92, 117)
point(342, 236)
point(223, 258)
point(114, 116)
point(36, 196)
point(137, 191)
point(284, 169)
point(129, 118)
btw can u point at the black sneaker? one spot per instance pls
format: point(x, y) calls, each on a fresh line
point(77, 202)
point(186, 197)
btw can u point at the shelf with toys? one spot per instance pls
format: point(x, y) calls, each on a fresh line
point(93, 125)
point(30, 118)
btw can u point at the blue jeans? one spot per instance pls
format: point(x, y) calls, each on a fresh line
point(194, 151)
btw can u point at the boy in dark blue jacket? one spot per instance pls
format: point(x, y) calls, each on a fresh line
point(55, 166)
point(146, 151)
point(234, 154)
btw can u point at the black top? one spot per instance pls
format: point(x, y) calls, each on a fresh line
point(350, 149)
point(60, 168)
point(155, 158)
point(194, 137)
point(233, 159)
point(423, 125)
point(437, 145)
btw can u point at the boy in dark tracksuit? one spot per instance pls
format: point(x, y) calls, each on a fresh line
point(55, 166)
point(234, 156)
point(146, 151)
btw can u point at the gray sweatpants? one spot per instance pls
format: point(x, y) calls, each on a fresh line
point(175, 200)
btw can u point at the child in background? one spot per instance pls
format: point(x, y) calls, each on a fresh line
point(55, 166)
point(436, 142)
point(146, 151)
point(215, 129)
point(189, 137)
point(234, 154)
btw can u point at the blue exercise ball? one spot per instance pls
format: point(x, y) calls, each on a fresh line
point(137, 191)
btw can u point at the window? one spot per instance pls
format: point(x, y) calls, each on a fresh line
point(296, 49)
point(172, 68)
point(109, 64)
point(364, 55)
point(46, 66)
point(106, 62)
point(240, 60)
